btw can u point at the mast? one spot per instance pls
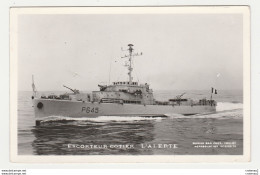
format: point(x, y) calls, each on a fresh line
point(130, 56)
point(130, 63)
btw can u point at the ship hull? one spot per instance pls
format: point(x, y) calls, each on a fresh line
point(48, 107)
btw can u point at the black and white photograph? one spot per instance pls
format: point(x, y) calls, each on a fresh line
point(137, 82)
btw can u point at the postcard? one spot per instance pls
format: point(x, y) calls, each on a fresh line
point(130, 84)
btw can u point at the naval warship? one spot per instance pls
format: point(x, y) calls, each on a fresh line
point(123, 98)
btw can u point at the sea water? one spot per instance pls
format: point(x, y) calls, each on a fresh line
point(219, 133)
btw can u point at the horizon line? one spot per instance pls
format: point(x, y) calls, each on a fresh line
point(153, 90)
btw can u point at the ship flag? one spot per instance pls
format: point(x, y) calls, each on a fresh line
point(214, 91)
point(33, 85)
point(33, 88)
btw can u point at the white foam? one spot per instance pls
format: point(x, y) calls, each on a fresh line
point(123, 118)
point(101, 118)
point(235, 114)
point(224, 109)
point(172, 115)
point(225, 106)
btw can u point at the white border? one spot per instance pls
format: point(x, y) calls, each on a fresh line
point(14, 12)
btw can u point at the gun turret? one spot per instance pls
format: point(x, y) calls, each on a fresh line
point(75, 91)
point(102, 87)
point(179, 96)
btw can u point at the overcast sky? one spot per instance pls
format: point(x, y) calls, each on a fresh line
point(180, 51)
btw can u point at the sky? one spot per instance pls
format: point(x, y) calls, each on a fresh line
point(180, 51)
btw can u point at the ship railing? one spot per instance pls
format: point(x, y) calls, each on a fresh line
point(132, 101)
point(205, 102)
point(162, 103)
point(57, 97)
point(111, 100)
point(121, 101)
point(186, 103)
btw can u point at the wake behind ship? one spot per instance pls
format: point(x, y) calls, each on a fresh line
point(124, 98)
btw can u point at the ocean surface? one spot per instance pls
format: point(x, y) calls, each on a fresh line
point(220, 133)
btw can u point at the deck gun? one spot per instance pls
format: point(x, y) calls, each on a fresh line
point(75, 91)
point(179, 96)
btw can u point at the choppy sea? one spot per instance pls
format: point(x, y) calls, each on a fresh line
point(220, 133)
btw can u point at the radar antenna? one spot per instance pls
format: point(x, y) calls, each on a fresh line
point(130, 56)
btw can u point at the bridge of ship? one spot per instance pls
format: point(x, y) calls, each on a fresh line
point(125, 92)
point(128, 87)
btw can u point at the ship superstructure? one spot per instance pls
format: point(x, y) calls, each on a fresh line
point(121, 98)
